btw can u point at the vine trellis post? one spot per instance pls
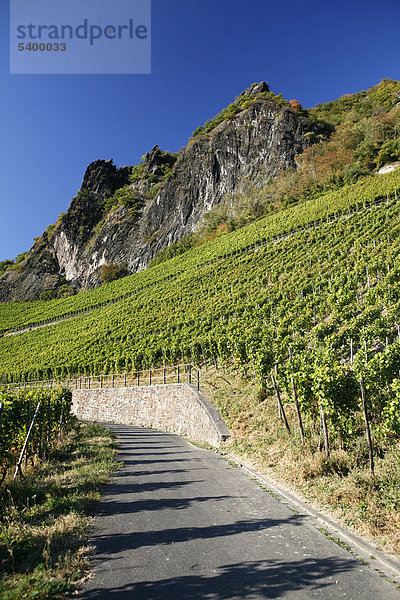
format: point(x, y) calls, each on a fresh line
point(21, 456)
point(367, 427)
point(278, 396)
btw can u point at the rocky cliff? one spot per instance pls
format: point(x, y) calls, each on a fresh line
point(128, 215)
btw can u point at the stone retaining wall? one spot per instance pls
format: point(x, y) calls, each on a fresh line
point(178, 408)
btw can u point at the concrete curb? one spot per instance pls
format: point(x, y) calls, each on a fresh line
point(362, 549)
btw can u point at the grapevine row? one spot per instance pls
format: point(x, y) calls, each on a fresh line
point(322, 305)
point(19, 316)
point(43, 414)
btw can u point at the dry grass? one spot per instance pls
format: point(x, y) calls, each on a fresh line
point(341, 485)
point(45, 522)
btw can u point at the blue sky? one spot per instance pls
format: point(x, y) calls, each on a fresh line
point(203, 55)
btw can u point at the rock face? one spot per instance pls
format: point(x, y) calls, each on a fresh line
point(115, 220)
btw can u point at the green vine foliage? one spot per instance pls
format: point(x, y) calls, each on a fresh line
point(314, 290)
point(17, 413)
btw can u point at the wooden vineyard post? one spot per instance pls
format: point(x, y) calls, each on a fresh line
point(49, 415)
point(278, 396)
point(296, 399)
point(255, 372)
point(319, 434)
point(367, 428)
point(297, 409)
point(214, 358)
point(278, 399)
point(325, 430)
point(204, 356)
point(21, 456)
point(60, 425)
point(40, 436)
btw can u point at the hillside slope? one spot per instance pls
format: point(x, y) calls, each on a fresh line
point(311, 278)
point(311, 293)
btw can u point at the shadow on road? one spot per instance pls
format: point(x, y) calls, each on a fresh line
point(136, 506)
point(120, 542)
point(161, 472)
point(257, 579)
point(155, 461)
point(171, 544)
point(148, 486)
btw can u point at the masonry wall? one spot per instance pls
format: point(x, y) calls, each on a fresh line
point(178, 408)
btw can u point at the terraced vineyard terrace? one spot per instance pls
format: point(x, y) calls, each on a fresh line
point(15, 316)
point(322, 304)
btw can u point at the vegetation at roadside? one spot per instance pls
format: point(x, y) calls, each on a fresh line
point(41, 416)
point(44, 516)
point(341, 484)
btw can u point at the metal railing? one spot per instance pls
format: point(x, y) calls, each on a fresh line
point(160, 376)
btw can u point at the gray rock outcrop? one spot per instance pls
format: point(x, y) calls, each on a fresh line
point(166, 202)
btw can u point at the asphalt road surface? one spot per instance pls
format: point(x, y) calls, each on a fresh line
point(178, 522)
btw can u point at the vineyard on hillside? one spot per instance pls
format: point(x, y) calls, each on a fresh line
point(312, 293)
point(18, 315)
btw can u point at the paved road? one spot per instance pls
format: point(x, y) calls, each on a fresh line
point(178, 522)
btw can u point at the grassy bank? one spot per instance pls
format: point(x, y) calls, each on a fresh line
point(341, 485)
point(44, 516)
